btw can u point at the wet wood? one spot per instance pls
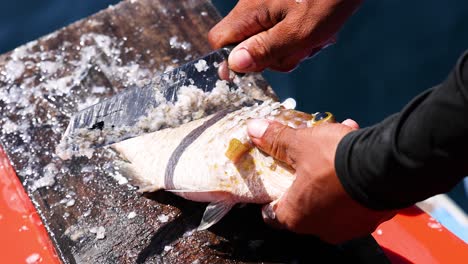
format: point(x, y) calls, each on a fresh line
point(89, 215)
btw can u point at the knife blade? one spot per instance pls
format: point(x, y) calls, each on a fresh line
point(117, 116)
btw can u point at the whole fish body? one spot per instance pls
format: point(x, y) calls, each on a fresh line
point(213, 160)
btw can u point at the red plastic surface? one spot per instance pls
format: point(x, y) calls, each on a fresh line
point(413, 236)
point(23, 238)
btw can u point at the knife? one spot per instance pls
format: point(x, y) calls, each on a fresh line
point(116, 118)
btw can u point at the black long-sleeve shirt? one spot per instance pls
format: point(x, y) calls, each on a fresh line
point(414, 154)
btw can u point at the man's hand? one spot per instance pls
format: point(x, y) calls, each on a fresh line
point(316, 202)
point(279, 34)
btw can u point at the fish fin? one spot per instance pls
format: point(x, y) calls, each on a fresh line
point(214, 212)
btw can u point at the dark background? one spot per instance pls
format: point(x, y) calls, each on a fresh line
point(386, 54)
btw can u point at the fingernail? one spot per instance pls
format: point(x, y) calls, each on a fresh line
point(350, 123)
point(268, 212)
point(241, 59)
point(257, 127)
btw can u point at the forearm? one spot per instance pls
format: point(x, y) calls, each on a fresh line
point(419, 152)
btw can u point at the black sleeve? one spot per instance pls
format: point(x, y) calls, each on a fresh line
point(414, 154)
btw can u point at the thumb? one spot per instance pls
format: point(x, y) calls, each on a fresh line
point(277, 140)
point(279, 48)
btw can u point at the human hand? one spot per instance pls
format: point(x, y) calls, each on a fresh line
point(316, 202)
point(279, 34)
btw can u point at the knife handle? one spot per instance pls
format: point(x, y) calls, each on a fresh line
point(228, 49)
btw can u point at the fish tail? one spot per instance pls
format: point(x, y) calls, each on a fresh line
point(136, 179)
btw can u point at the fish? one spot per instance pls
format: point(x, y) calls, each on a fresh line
point(213, 160)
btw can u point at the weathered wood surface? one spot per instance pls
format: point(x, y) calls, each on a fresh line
point(43, 82)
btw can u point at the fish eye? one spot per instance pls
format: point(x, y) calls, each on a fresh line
point(320, 116)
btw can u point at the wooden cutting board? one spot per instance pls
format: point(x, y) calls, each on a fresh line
point(91, 213)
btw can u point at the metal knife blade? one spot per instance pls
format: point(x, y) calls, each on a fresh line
point(127, 108)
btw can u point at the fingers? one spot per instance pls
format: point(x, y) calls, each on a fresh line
point(314, 207)
point(286, 212)
point(246, 19)
point(269, 215)
point(271, 48)
point(316, 202)
point(266, 39)
point(274, 34)
point(279, 34)
point(277, 140)
point(350, 123)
